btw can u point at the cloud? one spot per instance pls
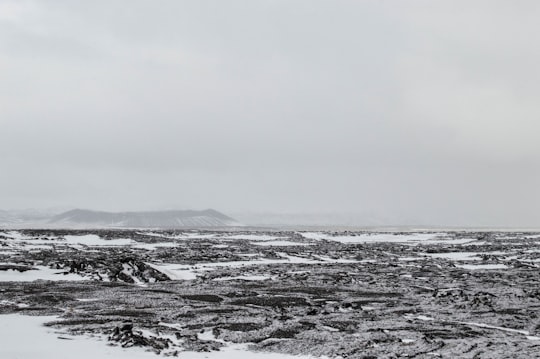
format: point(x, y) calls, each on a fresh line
point(14, 11)
point(426, 110)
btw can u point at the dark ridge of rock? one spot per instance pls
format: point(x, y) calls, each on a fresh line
point(17, 267)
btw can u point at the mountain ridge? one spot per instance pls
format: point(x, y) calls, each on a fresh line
point(85, 218)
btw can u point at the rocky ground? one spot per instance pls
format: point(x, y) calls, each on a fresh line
point(334, 294)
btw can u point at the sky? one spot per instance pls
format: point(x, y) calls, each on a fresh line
point(409, 112)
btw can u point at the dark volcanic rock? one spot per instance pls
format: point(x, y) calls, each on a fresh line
point(384, 300)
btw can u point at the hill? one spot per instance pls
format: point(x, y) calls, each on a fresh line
point(157, 219)
point(83, 218)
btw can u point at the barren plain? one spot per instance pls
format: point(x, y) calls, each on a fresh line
point(347, 294)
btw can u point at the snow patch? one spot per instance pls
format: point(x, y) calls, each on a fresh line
point(244, 277)
point(282, 243)
point(38, 273)
point(254, 237)
point(189, 272)
point(45, 344)
point(482, 266)
point(95, 240)
point(424, 238)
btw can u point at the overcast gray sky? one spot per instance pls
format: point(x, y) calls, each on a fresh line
point(427, 111)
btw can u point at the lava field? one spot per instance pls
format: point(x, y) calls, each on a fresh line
point(340, 294)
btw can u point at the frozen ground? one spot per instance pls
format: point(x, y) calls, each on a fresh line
point(30, 339)
point(212, 294)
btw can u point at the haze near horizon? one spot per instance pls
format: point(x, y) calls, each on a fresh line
point(414, 112)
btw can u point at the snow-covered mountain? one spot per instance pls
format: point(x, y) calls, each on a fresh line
point(82, 218)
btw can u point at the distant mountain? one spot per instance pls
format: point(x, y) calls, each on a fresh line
point(82, 218)
point(157, 219)
point(21, 217)
point(9, 219)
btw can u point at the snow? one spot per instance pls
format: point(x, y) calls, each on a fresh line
point(208, 335)
point(379, 237)
point(154, 246)
point(183, 236)
point(71, 240)
point(424, 318)
point(44, 342)
point(244, 277)
point(29, 339)
point(28, 243)
point(342, 260)
point(476, 243)
point(330, 329)
point(240, 351)
point(17, 240)
point(508, 330)
point(410, 259)
point(175, 271)
point(482, 266)
point(220, 246)
point(317, 236)
point(455, 256)
point(413, 238)
point(454, 241)
point(281, 243)
point(189, 272)
point(465, 256)
point(39, 273)
point(481, 325)
point(9, 303)
point(14, 235)
point(254, 237)
point(95, 240)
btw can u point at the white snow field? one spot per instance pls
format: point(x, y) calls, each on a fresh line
point(190, 272)
point(25, 337)
point(281, 243)
point(12, 242)
point(38, 273)
point(18, 241)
